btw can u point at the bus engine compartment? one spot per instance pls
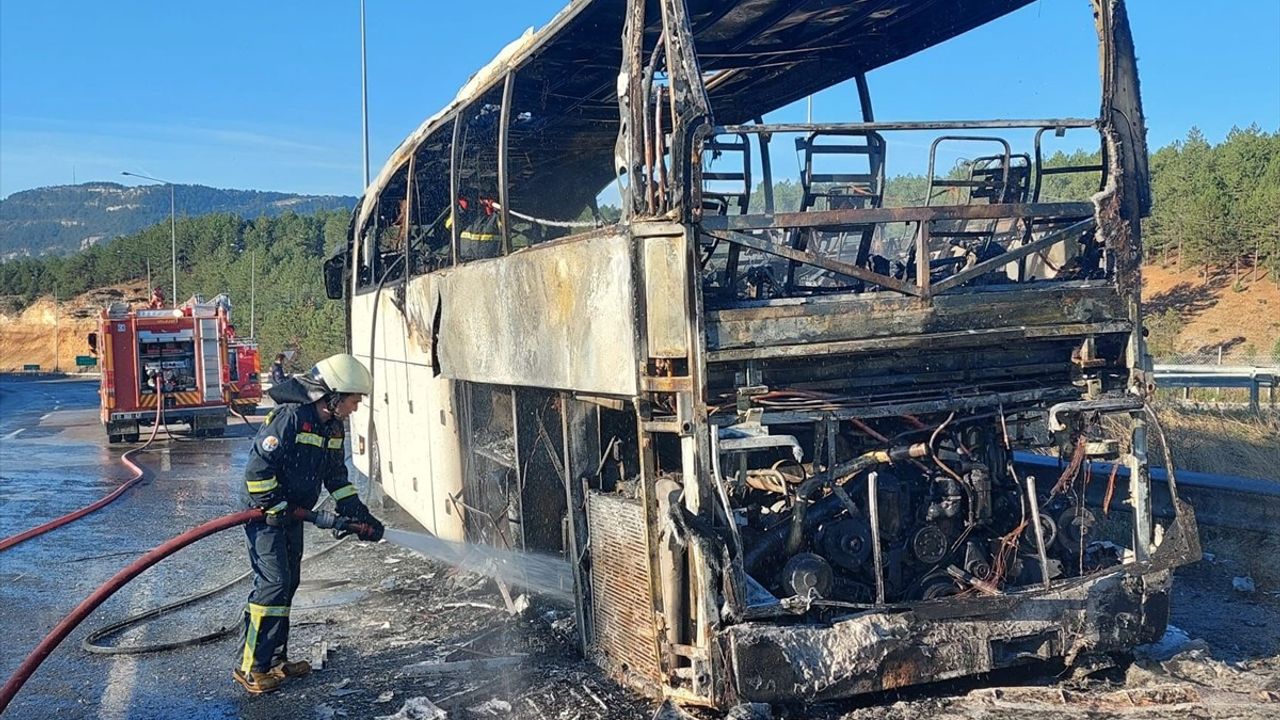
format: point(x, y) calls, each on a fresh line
point(951, 516)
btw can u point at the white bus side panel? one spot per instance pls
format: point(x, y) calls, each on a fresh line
point(560, 316)
point(413, 412)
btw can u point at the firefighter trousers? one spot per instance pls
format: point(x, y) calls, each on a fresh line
point(275, 553)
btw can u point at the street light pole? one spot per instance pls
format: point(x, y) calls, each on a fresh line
point(56, 366)
point(173, 230)
point(253, 293)
point(173, 245)
point(364, 98)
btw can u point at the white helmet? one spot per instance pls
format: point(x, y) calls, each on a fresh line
point(344, 374)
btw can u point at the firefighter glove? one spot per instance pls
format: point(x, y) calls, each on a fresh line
point(343, 526)
point(352, 507)
point(372, 531)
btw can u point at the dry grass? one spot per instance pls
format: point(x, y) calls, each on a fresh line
point(1230, 442)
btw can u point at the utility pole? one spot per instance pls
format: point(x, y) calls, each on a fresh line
point(253, 292)
point(148, 275)
point(173, 245)
point(364, 99)
point(56, 365)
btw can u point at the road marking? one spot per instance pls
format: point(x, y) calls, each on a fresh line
point(14, 434)
point(123, 676)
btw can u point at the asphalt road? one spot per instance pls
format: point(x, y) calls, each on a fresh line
point(379, 608)
point(55, 459)
point(375, 607)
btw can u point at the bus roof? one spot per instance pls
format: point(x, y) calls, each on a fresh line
point(756, 56)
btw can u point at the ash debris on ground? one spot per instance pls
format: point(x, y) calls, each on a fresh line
point(431, 641)
point(1190, 684)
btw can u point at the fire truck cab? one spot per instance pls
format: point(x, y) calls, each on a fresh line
point(244, 375)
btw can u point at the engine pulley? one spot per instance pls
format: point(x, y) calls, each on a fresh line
point(847, 543)
point(805, 573)
point(929, 544)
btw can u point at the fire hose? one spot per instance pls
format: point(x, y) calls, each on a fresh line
point(92, 642)
point(138, 475)
point(153, 556)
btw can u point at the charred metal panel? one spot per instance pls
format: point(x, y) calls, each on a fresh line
point(542, 469)
point(945, 639)
point(624, 626)
point(569, 323)
point(783, 323)
point(420, 307)
point(666, 296)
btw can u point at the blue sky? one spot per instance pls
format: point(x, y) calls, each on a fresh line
point(266, 95)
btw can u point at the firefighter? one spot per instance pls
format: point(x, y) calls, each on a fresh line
point(277, 370)
point(298, 449)
point(481, 234)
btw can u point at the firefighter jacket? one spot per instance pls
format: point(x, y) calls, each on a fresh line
point(295, 453)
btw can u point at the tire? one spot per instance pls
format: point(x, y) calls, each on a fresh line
point(114, 439)
point(132, 437)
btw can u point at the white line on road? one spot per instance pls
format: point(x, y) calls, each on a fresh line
point(14, 434)
point(123, 675)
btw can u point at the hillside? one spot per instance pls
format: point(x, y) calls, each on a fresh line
point(67, 218)
point(1190, 318)
point(27, 335)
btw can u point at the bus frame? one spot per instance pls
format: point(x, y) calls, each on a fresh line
point(781, 464)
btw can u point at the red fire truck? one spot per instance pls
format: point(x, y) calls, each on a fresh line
point(178, 354)
point(243, 374)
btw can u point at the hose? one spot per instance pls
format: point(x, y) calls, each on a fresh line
point(138, 475)
point(107, 589)
point(136, 568)
point(811, 487)
point(90, 641)
point(232, 409)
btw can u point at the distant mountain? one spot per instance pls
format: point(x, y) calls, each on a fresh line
point(67, 218)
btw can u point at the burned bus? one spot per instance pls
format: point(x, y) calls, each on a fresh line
point(777, 444)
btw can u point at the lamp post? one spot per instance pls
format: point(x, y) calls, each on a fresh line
point(173, 231)
point(364, 98)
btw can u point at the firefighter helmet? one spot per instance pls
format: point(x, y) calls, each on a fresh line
point(343, 374)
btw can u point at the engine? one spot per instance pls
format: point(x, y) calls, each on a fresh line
point(939, 509)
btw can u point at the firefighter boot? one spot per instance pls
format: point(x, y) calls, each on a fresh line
point(286, 669)
point(257, 682)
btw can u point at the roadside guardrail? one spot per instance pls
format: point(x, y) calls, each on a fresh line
point(1221, 376)
point(1224, 501)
